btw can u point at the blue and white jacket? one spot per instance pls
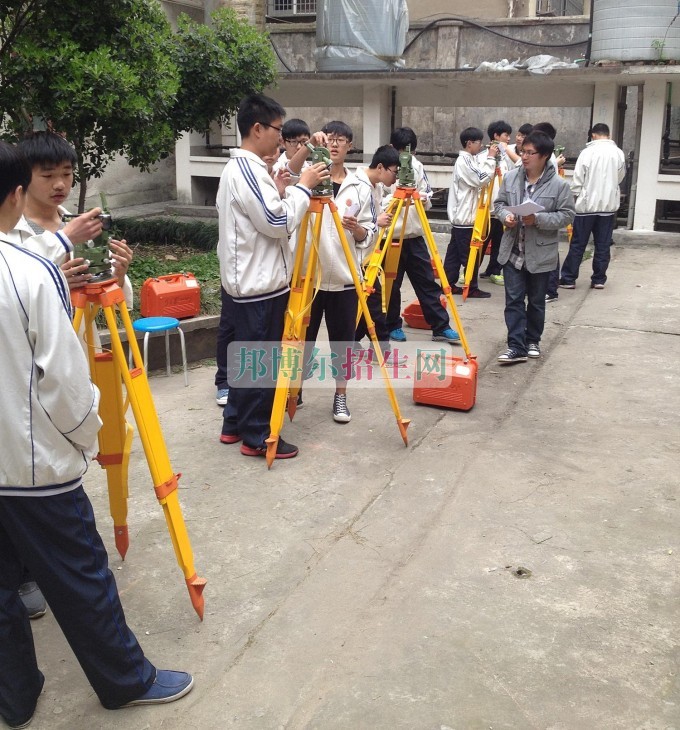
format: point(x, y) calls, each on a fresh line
point(255, 224)
point(470, 174)
point(49, 425)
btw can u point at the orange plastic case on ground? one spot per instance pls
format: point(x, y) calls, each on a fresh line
point(173, 295)
point(445, 381)
point(413, 314)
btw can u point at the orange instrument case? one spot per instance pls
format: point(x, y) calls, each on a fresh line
point(173, 295)
point(445, 381)
point(413, 314)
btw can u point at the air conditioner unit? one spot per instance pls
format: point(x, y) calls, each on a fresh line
point(291, 8)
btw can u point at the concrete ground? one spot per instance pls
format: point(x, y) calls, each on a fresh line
point(515, 567)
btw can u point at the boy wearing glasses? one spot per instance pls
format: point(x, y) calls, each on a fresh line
point(528, 249)
point(335, 298)
point(295, 134)
point(470, 175)
point(257, 215)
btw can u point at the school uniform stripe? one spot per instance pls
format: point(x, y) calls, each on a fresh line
point(275, 220)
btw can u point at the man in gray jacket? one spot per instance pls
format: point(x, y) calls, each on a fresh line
point(528, 250)
point(599, 169)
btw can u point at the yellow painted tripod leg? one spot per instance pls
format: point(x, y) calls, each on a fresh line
point(148, 425)
point(374, 265)
point(115, 442)
point(402, 423)
point(446, 287)
point(480, 231)
point(294, 330)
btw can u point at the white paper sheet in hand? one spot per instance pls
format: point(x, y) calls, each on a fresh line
point(528, 207)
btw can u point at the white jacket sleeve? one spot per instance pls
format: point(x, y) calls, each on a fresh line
point(269, 213)
point(477, 172)
point(63, 384)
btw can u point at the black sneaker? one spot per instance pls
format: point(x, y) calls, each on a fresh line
point(551, 298)
point(511, 356)
point(533, 350)
point(284, 450)
point(341, 412)
point(478, 294)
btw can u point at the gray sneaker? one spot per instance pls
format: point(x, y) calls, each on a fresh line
point(32, 597)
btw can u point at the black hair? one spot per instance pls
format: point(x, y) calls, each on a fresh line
point(295, 128)
point(256, 108)
point(402, 137)
point(385, 155)
point(471, 134)
point(15, 170)
point(47, 149)
point(600, 128)
point(499, 127)
point(336, 127)
point(546, 128)
point(525, 129)
point(542, 143)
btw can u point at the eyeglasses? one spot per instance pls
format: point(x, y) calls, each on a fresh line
point(393, 170)
point(296, 142)
point(337, 141)
point(271, 126)
point(527, 153)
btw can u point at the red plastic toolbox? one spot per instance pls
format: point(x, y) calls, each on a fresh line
point(445, 381)
point(413, 314)
point(173, 295)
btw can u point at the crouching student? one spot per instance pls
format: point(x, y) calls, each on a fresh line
point(49, 435)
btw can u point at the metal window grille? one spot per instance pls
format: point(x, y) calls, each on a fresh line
point(557, 8)
point(288, 8)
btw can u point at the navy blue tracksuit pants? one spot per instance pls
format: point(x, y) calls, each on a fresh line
point(56, 538)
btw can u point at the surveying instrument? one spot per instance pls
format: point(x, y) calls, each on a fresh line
point(482, 225)
point(384, 260)
point(303, 283)
point(108, 370)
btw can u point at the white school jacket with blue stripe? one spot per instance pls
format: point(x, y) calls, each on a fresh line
point(255, 224)
point(470, 174)
point(48, 430)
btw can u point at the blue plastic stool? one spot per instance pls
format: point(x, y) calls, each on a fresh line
point(147, 325)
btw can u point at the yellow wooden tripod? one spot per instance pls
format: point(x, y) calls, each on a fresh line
point(289, 378)
point(115, 437)
point(384, 260)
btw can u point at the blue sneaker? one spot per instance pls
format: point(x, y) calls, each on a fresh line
point(167, 687)
point(447, 335)
point(398, 335)
point(222, 396)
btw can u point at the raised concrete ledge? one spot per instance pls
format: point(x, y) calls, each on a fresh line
point(624, 237)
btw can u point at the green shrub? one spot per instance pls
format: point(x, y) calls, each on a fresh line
point(200, 235)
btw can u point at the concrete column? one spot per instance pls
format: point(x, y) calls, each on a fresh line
point(605, 103)
point(377, 108)
point(653, 110)
point(182, 169)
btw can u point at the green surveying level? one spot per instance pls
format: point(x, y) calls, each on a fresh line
point(321, 154)
point(406, 176)
point(96, 252)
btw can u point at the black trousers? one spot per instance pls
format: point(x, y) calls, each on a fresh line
point(258, 328)
point(225, 335)
point(340, 311)
point(457, 255)
point(415, 261)
point(495, 234)
point(56, 538)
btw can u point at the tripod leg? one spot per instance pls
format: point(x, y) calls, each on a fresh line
point(155, 450)
point(115, 442)
point(295, 325)
point(402, 423)
point(480, 231)
point(446, 287)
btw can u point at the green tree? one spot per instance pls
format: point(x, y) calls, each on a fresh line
point(103, 75)
point(115, 80)
point(218, 64)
